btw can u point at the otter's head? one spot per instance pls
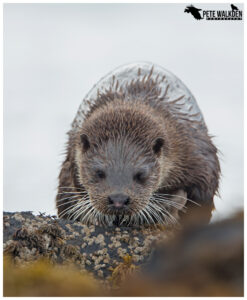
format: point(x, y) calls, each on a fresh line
point(119, 154)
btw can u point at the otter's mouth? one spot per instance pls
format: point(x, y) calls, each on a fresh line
point(120, 216)
point(119, 220)
point(118, 211)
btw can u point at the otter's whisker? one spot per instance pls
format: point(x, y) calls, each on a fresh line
point(144, 216)
point(185, 198)
point(153, 214)
point(70, 209)
point(148, 216)
point(91, 216)
point(77, 193)
point(90, 210)
point(66, 210)
point(167, 202)
point(80, 203)
point(157, 210)
point(165, 213)
point(68, 198)
point(172, 218)
point(71, 187)
point(74, 210)
point(67, 202)
point(82, 208)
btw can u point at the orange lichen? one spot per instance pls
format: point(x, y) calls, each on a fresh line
point(122, 271)
point(41, 278)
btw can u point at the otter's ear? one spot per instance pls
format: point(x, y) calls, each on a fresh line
point(85, 142)
point(159, 142)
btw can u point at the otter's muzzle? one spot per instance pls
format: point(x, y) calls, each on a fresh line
point(118, 200)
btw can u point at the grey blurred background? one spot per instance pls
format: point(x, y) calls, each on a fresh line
point(55, 53)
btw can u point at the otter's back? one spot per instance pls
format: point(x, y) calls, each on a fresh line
point(145, 80)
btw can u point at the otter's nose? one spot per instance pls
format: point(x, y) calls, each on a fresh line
point(118, 200)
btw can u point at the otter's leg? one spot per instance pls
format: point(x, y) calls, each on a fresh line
point(201, 209)
point(179, 198)
point(204, 182)
point(189, 210)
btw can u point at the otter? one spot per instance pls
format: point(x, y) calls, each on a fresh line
point(138, 152)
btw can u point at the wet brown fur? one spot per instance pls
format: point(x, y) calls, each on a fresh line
point(188, 159)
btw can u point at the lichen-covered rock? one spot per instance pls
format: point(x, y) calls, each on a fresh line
point(96, 249)
point(45, 256)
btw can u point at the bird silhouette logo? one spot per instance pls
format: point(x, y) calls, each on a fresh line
point(234, 7)
point(194, 11)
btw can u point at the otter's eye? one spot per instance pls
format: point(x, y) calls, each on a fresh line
point(140, 177)
point(100, 174)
